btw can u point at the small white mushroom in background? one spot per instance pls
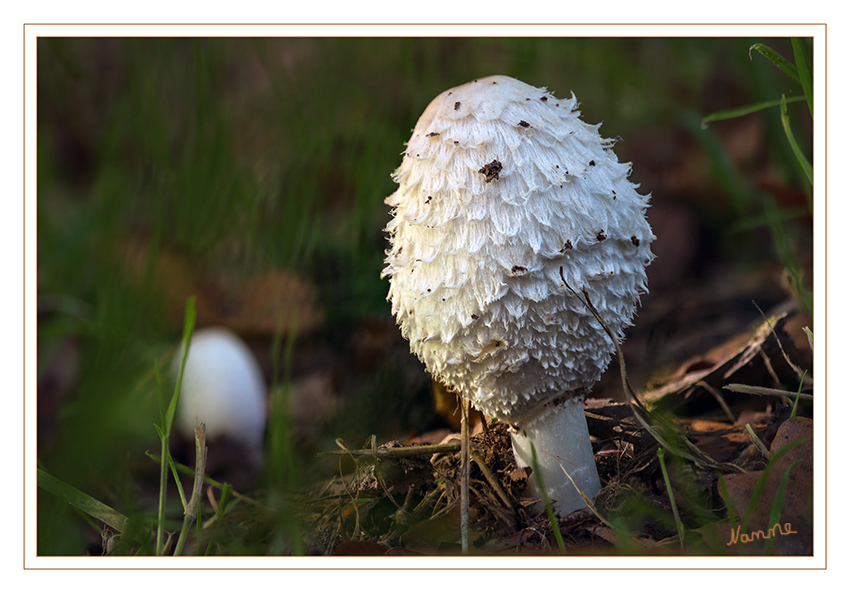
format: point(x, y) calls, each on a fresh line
point(223, 387)
point(501, 187)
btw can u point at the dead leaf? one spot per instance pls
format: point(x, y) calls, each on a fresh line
point(797, 508)
point(753, 358)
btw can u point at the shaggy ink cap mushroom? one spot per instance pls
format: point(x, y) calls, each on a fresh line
point(500, 188)
point(223, 387)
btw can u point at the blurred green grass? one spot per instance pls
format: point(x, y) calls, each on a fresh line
point(247, 155)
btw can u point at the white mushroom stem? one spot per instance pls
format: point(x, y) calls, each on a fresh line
point(562, 443)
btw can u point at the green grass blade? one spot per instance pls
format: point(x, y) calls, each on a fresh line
point(223, 501)
point(679, 526)
point(801, 158)
point(747, 109)
point(163, 474)
point(778, 502)
point(762, 482)
point(787, 254)
point(724, 494)
point(174, 472)
point(160, 400)
point(765, 219)
point(83, 501)
point(188, 471)
point(805, 71)
point(733, 519)
point(163, 481)
point(723, 169)
point(799, 391)
point(165, 432)
point(777, 60)
point(541, 487)
point(188, 327)
point(779, 499)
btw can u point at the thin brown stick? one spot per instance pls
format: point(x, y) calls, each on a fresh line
point(190, 513)
point(491, 479)
point(464, 476)
point(393, 452)
point(772, 323)
point(719, 399)
point(753, 390)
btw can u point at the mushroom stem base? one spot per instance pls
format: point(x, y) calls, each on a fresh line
point(560, 438)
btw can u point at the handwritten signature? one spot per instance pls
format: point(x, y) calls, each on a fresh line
point(745, 538)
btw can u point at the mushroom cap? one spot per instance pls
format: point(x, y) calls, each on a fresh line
point(223, 387)
point(502, 186)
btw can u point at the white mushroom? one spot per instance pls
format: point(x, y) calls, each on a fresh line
point(223, 387)
point(501, 187)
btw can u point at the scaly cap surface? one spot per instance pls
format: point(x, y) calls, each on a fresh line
point(500, 186)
